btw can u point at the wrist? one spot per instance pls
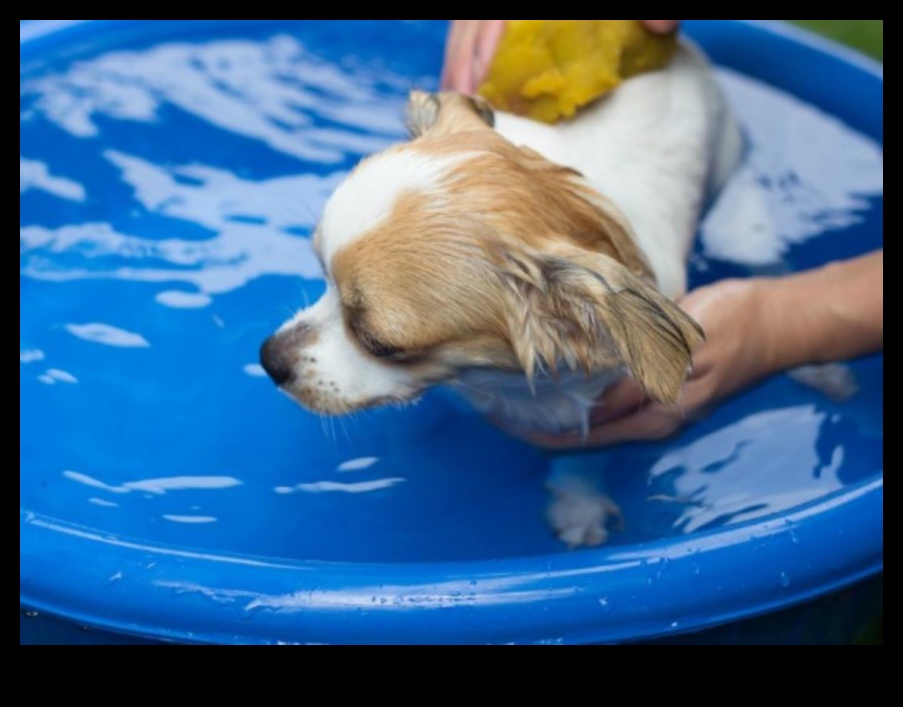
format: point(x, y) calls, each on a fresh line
point(785, 322)
point(828, 314)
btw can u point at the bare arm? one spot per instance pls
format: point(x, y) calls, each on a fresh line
point(829, 314)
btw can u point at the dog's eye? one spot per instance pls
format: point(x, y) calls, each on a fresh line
point(375, 346)
point(380, 349)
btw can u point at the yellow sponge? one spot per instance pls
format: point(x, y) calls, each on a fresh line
point(547, 69)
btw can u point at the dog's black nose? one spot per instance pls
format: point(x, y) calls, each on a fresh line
point(273, 361)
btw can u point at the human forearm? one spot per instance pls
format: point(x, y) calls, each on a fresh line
point(832, 313)
point(754, 328)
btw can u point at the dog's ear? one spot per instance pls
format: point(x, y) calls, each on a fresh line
point(482, 108)
point(446, 112)
point(587, 311)
point(422, 112)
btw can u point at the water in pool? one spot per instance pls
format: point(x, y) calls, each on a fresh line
point(168, 189)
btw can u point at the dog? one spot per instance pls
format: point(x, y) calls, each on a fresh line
point(528, 266)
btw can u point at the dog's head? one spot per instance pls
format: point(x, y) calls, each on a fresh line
point(459, 250)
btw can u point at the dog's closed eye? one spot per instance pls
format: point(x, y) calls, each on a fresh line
point(380, 349)
point(372, 343)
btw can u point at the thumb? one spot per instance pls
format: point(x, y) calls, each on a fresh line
point(623, 398)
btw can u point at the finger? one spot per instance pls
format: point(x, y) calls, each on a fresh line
point(660, 26)
point(653, 422)
point(459, 56)
point(506, 425)
point(623, 403)
point(624, 397)
point(566, 440)
point(452, 42)
point(488, 38)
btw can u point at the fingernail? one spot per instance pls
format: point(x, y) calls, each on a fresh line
point(661, 25)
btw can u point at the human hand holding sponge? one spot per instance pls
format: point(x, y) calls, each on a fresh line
point(548, 69)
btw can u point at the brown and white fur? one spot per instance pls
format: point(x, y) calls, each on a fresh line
point(529, 266)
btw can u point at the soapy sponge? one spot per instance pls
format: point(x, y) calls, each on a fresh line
point(547, 69)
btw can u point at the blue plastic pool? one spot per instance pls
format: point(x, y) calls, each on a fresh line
point(170, 172)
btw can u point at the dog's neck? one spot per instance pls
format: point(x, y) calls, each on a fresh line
point(548, 405)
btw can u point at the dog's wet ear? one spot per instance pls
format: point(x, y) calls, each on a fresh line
point(483, 109)
point(422, 112)
point(446, 112)
point(587, 311)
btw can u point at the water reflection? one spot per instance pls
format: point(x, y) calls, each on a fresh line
point(157, 486)
point(250, 222)
point(805, 173)
point(341, 486)
point(108, 335)
point(358, 464)
point(36, 175)
point(54, 375)
point(30, 355)
point(251, 89)
point(191, 520)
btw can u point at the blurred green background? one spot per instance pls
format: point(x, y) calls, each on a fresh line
point(864, 35)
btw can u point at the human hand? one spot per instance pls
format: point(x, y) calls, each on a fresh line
point(471, 44)
point(469, 49)
point(754, 328)
point(660, 26)
point(739, 349)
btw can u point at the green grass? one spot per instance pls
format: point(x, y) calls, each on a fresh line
point(865, 35)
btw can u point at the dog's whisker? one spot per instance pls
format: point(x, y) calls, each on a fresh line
point(289, 312)
point(292, 207)
point(326, 422)
point(479, 391)
point(335, 438)
point(341, 421)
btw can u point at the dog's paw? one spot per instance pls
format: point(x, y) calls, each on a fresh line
point(581, 516)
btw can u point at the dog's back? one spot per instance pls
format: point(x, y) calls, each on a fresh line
point(658, 147)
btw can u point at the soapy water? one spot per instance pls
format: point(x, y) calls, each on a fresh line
point(168, 190)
